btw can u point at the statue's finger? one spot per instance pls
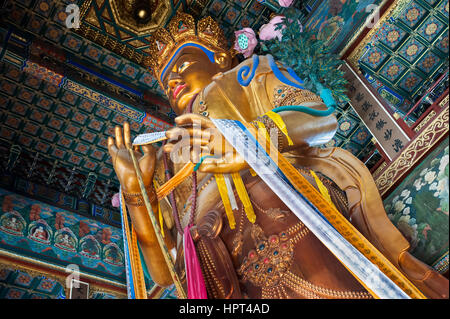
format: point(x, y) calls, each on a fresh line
point(148, 149)
point(137, 149)
point(176, 133)
point(111, 146)
point(119, 137)
point(194, 119)
point(126, 134)
point(168, 148)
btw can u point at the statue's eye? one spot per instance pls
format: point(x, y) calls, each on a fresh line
point(183, 66)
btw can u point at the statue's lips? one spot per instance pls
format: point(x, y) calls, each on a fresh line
point(177, 90)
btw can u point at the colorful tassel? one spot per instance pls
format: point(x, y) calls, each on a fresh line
point(243, 195)
point(195, 282)
point(220, 180)
point(160, 216)
point(230, 192)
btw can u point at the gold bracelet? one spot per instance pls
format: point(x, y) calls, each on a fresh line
point(137, 199)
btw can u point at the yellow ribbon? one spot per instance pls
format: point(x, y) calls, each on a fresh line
point(278, 120)
point(323, 190)
point(220, 180)
point(263, 127)
point(135, 262)
point(243, 195)
point(160, 216)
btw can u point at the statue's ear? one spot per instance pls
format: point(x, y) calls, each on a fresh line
point(223, 60)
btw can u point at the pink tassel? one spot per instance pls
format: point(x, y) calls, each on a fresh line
point(195, 283)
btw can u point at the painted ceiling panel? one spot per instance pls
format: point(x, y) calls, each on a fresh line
point(415, 36)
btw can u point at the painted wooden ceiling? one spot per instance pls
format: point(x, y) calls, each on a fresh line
point(408, 51)
point(20, 284)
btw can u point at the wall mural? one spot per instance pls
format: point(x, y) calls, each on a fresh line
point(337, 20)
point(37, 230)
point(419, 208)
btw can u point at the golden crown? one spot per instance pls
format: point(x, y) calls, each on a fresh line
point(181, 29)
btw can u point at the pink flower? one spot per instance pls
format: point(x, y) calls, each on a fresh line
point(245, 41)
point(285, 3)
point(268, 32)
point(115, 200)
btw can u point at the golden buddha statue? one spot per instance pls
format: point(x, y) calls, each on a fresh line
point(202, 79)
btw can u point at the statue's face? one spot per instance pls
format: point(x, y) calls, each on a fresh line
point(188, 73)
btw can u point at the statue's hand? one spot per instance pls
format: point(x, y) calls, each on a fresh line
point(123, 164)
point(196, 136)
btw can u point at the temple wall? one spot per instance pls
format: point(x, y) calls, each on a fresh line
point(51, 238)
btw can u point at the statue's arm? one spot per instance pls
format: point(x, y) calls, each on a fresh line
point(124, 168)
point(149, 245)
point(305, 130)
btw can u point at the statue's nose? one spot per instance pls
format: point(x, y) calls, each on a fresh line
point(174, 80)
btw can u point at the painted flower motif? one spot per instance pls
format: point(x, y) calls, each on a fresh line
point(442, 188)
point(53, 33)
point(62, 16)
point(412, 14)
point(129, 71)
point(443, 163)
point(111, 61)
point(405, 193)
point(345, 126)
point(424, 171)
point(430, 177)
point(444, 43)
point(245, 41)
point(399, 206)
point(35, 24)
point(115, 200)
point(44, 6)
point(268, 32)
point(406, 211)
point(72, 43)
point(431, 29)
point(285, 3)
point(374, 57)
point(393, 70)
point(411, 82)
point(412, 49)
point(429, 62)
point(393, 36)
point(93, 53)
point(408, 200)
